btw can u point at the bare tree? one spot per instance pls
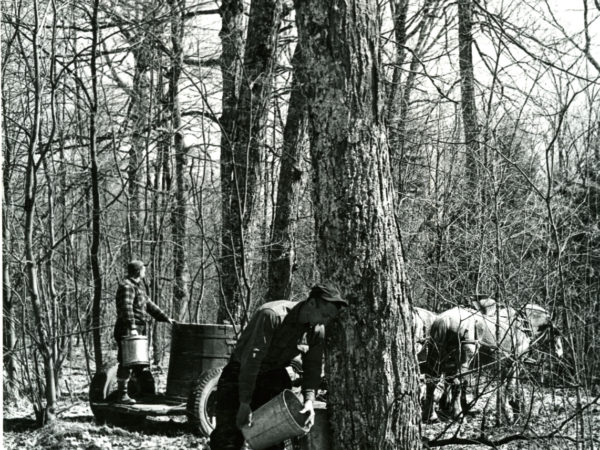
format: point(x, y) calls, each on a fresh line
point(241, 153)
point(9, 337)
point(282, 250)
point(143, 50)
point(467, 83)
point(232, 44)
point(404, 80)
point(96, 208)
point(179, 215)
point(43, 343)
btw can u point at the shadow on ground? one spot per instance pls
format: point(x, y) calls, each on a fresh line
point(19, 425)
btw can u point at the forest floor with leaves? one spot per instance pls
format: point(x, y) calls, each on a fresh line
point(75, 427)
point(548, 421)
point(551, 411)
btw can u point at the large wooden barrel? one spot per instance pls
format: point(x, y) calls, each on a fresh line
point(196, 348)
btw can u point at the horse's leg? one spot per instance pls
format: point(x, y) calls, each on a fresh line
point(429, 412)
point(440, 395)
point(455, 394)
point(512, 389)
point(431, 372)
point(461, 383)
point(508, 385)
point(431, 368)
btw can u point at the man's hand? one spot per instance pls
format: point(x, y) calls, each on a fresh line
point(133, 332)
point(244, 415)
point(308, 408)
point(171, 321)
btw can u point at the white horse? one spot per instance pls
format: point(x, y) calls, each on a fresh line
point(460, 334)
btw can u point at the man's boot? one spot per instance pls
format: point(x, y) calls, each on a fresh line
point(122, 396)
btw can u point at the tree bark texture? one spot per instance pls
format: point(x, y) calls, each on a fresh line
point(244, 127)
point(253, 107)
point(95, 247)
point(371, 365)
point(467, 89)
point(282, 252)
point(232, 45)
point(399, 11)
point(473, 158)
point(160, 202)
point(9, 332)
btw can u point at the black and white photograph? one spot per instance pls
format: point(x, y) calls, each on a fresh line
point(300, 224)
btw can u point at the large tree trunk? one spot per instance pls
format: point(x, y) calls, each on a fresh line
point(371, 364)
point(282, 252)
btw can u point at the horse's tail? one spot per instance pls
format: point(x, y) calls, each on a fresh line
point(439, 329)
point(437, 341)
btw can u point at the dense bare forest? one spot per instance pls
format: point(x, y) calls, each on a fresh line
point(414, 152)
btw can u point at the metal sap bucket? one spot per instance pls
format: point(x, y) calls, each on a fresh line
point(319, 437)
point(134, 351)
point(275, 421)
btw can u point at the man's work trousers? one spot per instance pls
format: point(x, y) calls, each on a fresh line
point(227, 436)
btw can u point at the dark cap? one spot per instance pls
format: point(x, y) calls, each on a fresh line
point(134, 268)
point(327, 292)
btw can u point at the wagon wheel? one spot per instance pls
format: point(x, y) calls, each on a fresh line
point(103, 383)
point(202, 401)
point(103, 389)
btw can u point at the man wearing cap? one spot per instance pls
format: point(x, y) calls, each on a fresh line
point(257, 371)
point(132, 305)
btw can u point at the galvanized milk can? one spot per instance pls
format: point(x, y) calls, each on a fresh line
point(134, 350)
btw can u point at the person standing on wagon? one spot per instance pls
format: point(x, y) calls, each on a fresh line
point(256, 371)
point(132, 305)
